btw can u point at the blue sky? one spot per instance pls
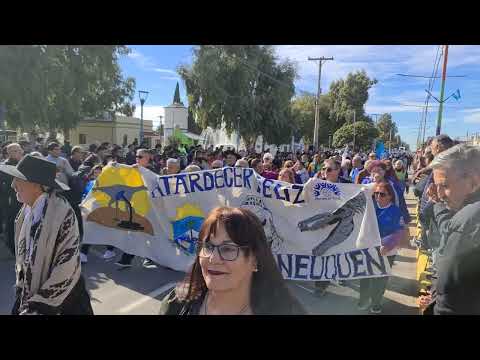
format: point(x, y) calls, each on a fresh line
point(154, 68)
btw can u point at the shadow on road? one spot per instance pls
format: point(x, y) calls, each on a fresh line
point(105, 274)
point(402, 286)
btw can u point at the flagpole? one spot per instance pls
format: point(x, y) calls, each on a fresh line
point(442, 91)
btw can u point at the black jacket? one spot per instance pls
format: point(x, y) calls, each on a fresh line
point(458, 285)
point(171, 305)
point(8, 197)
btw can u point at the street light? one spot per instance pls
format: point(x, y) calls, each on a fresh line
point(143, 95)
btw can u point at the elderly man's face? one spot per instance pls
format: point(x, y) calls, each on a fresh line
point(452, 188)
point(173, 168)
point(15, 153)
point(27, 192)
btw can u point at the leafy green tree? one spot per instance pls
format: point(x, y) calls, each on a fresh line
point(365, 133)
point(241, 87)
point(386, 125)
point(54, 87)
point(348, 95)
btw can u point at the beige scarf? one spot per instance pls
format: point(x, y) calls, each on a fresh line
point(54, 267)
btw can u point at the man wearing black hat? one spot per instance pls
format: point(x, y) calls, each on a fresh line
point(47, 244)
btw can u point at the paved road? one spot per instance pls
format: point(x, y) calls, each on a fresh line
point(137, 290)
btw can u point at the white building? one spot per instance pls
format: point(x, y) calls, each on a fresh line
point(219, 137)
point(176, 117)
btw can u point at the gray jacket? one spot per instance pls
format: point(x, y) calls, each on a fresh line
point(458, 284)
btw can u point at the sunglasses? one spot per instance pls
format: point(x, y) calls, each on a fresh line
point(327, 169)
point(139, 157)
point(381, 194)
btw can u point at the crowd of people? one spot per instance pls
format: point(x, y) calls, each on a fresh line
point(254, 284)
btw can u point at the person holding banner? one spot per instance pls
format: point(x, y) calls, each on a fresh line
point(330, 173)
point(143, 160)
point(234, 272)
point(392, 232)
point(109, 252)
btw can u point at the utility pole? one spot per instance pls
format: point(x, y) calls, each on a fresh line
point(442, 91)
point(320, 60)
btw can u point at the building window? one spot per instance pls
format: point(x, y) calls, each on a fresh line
point(125, 140)
point(82, 139)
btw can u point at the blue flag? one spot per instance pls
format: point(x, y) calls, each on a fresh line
point(456, 95)
point(379, 149)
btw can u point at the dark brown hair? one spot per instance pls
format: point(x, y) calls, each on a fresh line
point(269, 293)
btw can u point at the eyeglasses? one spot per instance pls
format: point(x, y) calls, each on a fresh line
point(139, 157)
point(227, 252)
point(381, 194)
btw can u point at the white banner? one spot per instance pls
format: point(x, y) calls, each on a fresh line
point(317, 231)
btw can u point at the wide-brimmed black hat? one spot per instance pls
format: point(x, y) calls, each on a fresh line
point(35, 170)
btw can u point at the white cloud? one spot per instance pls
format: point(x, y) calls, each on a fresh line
point(475, 110)
point(150, 112)
point(165, 71)
point(177, 78)
point(380, 109)
point(143, 61)
point(473, 118)
point(380, 62)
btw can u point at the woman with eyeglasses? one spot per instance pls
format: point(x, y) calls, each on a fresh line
point(234, 272)
point(378, 170)
point(330, 172)
point(392, 232)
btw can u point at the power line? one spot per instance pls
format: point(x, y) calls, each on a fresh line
point(431, 77)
